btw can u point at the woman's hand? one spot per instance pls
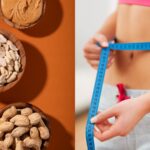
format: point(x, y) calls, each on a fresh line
point(127, 114)
point(92, 50)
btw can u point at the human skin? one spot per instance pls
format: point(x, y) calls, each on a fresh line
point(105, 34)
point(130, 23)
point(127, 114)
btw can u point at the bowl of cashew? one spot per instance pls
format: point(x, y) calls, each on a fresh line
point(12, 60)
point(23, 127)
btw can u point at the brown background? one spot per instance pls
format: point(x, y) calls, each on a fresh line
point(48, 81)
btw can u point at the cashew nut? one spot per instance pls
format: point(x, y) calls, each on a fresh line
point(2, 52)
point(12, 77)
point(7, 59)
point(2, 39)
point(8, 55)
point(17, 55)
point(12, 55)
point(11, 45)
point(17, 66)
point(9, 74)
point(2, 80)
point(10, 68)
point(10, 61)
point(6, 47)
point(3, 71)
point(2, 62)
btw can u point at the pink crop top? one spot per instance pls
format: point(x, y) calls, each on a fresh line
point(136, 2)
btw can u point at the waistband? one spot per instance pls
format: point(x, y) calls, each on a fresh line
point(129, 92)
point(135, 2)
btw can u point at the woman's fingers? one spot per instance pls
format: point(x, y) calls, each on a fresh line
point(93, 59)
point(105, 115)
point(107, 134)
point(109, 130)
point(104, 126)
point(101, 39)
point(91, 56)
point(124, 120)
point(93, 63)
point(92, 48)
point(92, 51)
point(115, 129)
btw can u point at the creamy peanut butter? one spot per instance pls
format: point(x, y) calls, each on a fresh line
point(22, 12)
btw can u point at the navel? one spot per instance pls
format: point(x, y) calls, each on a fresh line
point(132, 55)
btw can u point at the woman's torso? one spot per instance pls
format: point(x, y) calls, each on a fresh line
point(131, 67)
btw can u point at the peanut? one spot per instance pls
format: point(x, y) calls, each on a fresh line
point(20, 120)
point(26, 111)
point(6, 126)
point(34, 118)
point(22, 129)
point(19, 131)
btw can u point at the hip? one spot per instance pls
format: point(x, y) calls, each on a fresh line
point(110, 93)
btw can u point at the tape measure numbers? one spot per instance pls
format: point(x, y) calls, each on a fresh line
point(99, 83)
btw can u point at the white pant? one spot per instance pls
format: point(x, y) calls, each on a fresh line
point(138, 138)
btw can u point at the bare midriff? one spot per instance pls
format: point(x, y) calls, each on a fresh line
point(132, 68)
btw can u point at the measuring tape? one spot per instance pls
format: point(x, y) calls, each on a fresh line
point(99, 83)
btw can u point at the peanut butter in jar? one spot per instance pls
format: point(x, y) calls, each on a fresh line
point(22, 13)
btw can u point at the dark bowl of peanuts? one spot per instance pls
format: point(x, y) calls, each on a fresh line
point(24, 127)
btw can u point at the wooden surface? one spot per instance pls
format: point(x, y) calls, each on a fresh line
point(48, 81)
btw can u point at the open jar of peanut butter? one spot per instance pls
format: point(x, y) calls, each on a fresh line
point(22, 14)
